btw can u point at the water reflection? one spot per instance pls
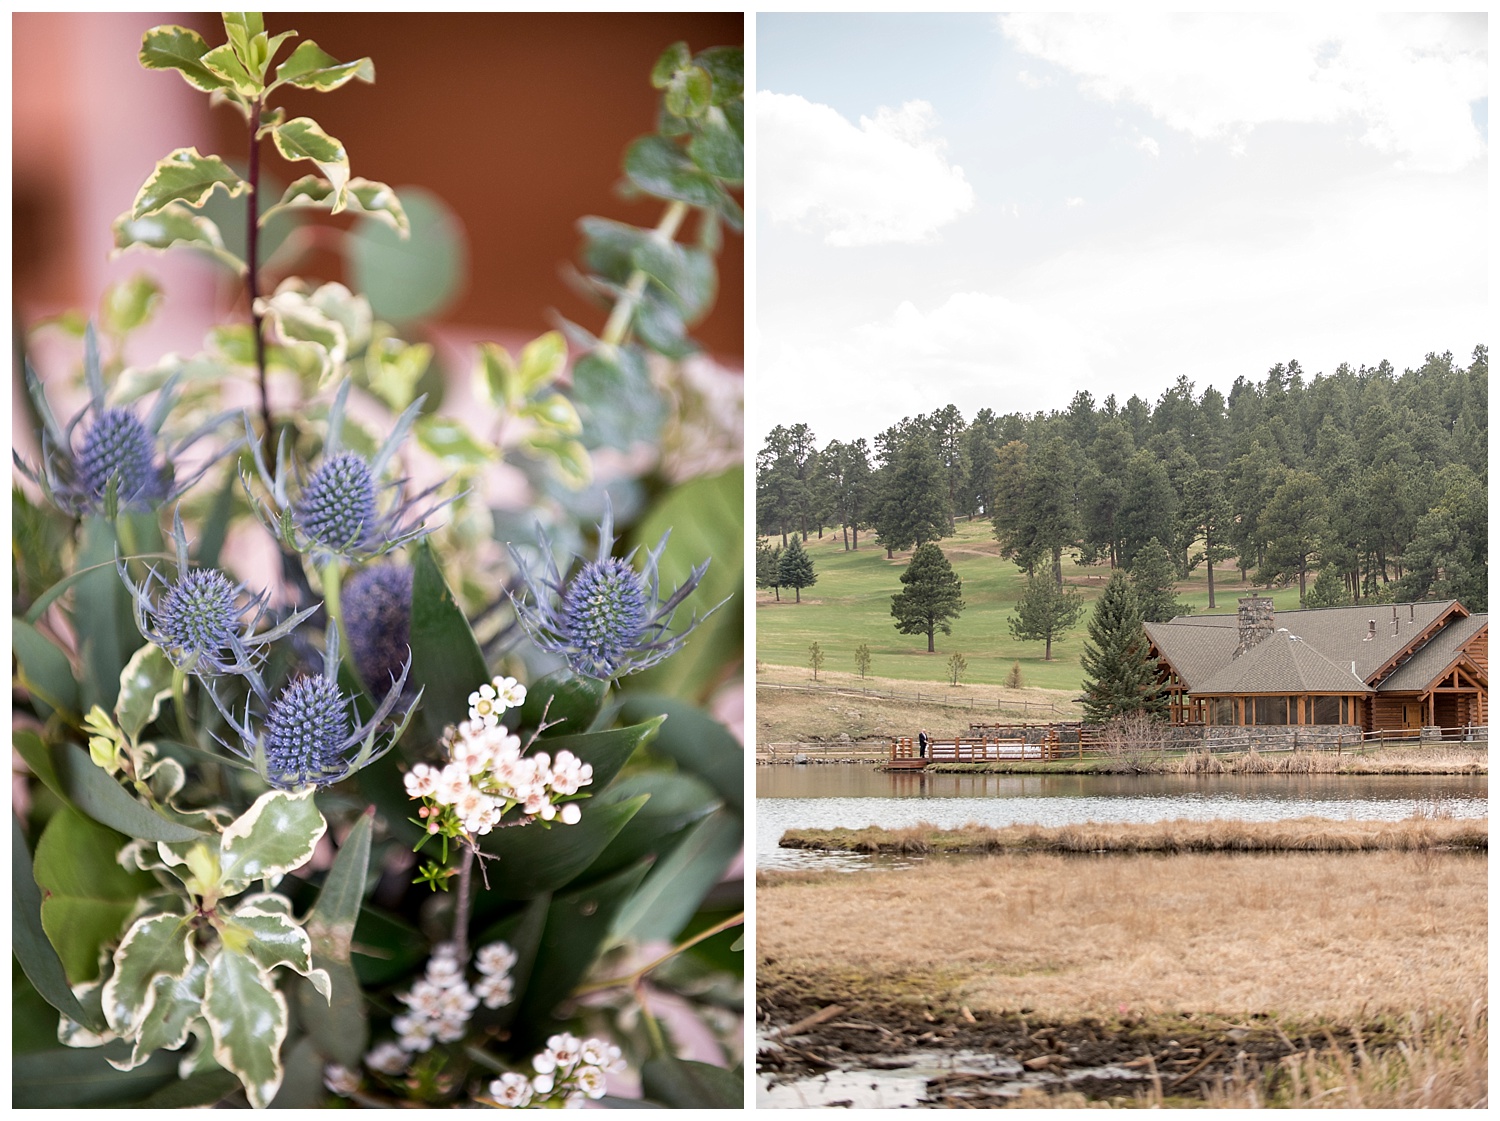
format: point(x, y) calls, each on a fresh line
point(854, 796)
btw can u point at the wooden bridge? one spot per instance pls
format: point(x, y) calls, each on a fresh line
point(964, 749)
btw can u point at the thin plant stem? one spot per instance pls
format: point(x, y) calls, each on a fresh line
point(461, 908)
point(333, 575)
point(635, 977)
point(635, 287)
point(252, 279)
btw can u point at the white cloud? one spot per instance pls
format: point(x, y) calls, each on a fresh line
point(1074, 201)
point(1405, 82)
point(1149, 146)
point(885, 180)
point(1032, 82)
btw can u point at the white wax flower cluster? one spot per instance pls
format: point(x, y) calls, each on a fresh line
point(487, 775)
point(441, 1003)
point(569, 1070)
point(490, 702)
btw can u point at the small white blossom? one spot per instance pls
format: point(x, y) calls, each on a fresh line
point(497, 957)
point(511, 1090)
point(571, 814)
point(421, 782)
point(341, 1080)
point(565, 1048)
point(387, 1057)
point(494, 991)
point(511, 692)
point(482, 707)
point(597, 1052)
point(591, 1081)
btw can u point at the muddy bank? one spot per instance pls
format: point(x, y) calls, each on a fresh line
point(990, 1060)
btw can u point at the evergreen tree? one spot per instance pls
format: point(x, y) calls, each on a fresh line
point(816, 658)
point(795, 568)
point(862, 659)
point(1121, 676)
point(1045, 611)
point(1148, 505)
point(768, 567)
point(1328, 589)
point(913, 506)
point(1295, 522)
point(931, 595)
point(1154, 582)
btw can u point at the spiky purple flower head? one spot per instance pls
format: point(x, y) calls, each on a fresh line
point(337, 508)
point(609, 620)
point(118, 448)
point(377, 619)
point(306, 732)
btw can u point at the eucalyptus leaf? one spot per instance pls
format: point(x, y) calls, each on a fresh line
point(180, 49)
point(29, 942)
point(537, 859)
point(248, 1018)
point(726, 66)
point(87, 896)
point(616, 400)
point(410, 277)
point(659, 324)
point(446, 662)
point(687, 1084)
point(658, 167)
point(716, 148)
point(675, 58)
point(185, 177)
point(679, 881)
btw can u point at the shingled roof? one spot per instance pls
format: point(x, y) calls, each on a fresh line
point(1201, 648)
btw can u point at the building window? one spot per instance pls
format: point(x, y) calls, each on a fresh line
point(1270, 710)
point(1328, 710)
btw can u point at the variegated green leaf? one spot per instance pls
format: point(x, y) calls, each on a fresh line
point(196, 864)
point(496, 378)
point(274, 836)
point(312, 68)
point(569, 457)
point(226, 64)
point(176, 1002)
point(394, 368)
point(180, 49)
point(248, 1019)
point(543, 360)
point(186, 177)
point(156, 945)
point(306, 331)
point(451, 441)
point(129, 304)
point(174, 225)
point(146, 682)
point(350, 311)
point(554, 412)
point(269, 936)
point(362, 196)
point(302, 138)
point(241, 28)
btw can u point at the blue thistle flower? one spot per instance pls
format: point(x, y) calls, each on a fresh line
point(310, 732)
point(204, 621)
point(609, 620)
point(337, 514)
point(114, 468)
point(377, 620)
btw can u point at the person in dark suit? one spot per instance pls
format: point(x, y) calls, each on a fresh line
point(922, 744)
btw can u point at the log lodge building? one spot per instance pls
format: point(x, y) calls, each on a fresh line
point(1382, 667)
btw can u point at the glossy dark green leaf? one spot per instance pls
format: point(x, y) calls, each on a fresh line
point(536, 859)
point(302, 1080)
point(382, 784)
point(77, 1079)
point(206, 1089)
point(685, 1084)
point(338, 1027)
point(577, 925)
point(680, 880)
point(658, 167)
point(677, 802)
point(569, 701)
point(414, 277)
point(445, 658)
point(102, 617)
point(29, 941)
point(706, 517)
point(86, 895)
point(44, 670)
point(605, 751)
point(385, 947)
point(523, 933)
point(615, 398)
point(38, 757)
point(697, 743)
point(103, 799)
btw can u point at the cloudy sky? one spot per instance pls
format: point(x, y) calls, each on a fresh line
point(999, 211)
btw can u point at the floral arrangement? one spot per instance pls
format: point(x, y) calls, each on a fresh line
point(391, 820)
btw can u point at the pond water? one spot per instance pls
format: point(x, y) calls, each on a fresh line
point(854, 796)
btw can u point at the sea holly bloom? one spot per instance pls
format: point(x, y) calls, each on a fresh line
point(203, 621)
point(337, 514)
point(308, 732)
point(608, 620)
point(377, 618)
point(105, 460)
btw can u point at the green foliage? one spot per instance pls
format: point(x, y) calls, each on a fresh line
point(957, 663)
point(815, 658)
point(931, 599)
point(862, 659)
point(1121, 676)
point(912, 507)
point(1045, 611)
point(1153, 579)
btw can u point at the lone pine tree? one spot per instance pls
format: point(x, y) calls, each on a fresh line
point(1045, 611)
point(795, 568)
point(1121, 676)
point(931, 595)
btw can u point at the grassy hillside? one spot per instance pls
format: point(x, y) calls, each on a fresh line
point(851, 604)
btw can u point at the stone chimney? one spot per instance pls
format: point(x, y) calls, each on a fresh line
point(1257, 620)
